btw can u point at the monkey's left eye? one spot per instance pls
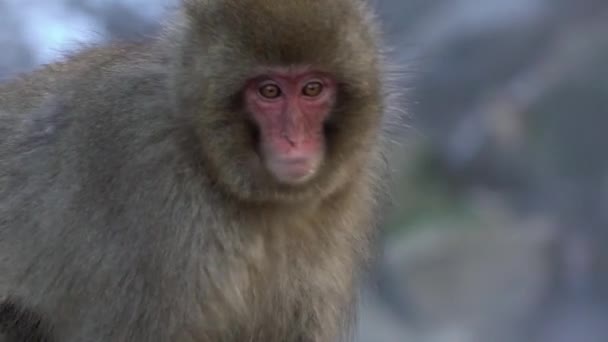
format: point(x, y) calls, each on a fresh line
point(270, 91)
point(313, 89)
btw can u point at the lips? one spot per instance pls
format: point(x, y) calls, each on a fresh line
point(294, 170)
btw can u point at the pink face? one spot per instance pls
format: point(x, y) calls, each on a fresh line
point(290, 108)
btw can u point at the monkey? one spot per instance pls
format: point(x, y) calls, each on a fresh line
point(220, 181)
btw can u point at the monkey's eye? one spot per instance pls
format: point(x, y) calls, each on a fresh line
point(270, 91)
point(313, 89)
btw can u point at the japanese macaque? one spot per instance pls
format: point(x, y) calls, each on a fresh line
point(216, 183)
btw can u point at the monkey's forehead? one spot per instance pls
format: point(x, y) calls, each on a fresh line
point(288, 32)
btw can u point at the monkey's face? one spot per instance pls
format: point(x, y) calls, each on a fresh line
point(289, 108)
point(293, 132)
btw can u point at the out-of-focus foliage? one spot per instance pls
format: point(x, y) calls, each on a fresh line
point(501, 194)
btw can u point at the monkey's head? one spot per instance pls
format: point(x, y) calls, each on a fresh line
point(286, 96)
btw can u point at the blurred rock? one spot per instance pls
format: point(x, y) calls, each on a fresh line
point(471, 284)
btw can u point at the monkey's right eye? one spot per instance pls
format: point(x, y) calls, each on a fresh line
point(270, 91)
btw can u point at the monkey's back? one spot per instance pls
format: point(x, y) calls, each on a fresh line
point(84, 146)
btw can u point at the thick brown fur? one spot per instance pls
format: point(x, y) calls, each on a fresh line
point(131, 210)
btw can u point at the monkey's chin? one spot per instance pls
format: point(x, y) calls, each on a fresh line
point(296, 171)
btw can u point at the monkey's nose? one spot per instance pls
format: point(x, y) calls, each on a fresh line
point(290, 140)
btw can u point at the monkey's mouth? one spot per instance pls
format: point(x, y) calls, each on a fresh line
point(293, 170)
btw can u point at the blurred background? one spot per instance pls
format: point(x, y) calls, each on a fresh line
point(498, 230)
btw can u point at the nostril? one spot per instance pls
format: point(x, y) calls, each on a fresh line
point(286, 136)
